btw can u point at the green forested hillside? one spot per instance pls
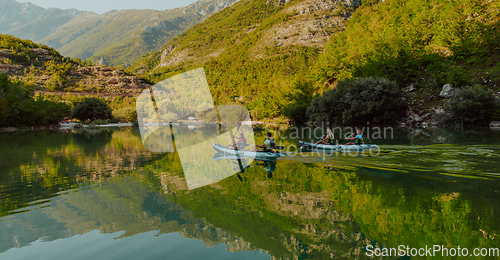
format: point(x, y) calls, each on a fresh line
point(419, 44)
point(423, 43)
point(411, 32)
point(18, 107)
point(254, 53)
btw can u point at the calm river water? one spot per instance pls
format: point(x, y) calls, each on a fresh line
point(99, 194)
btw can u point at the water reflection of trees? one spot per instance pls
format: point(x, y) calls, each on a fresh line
point(41, 168)
point(121, 204)
point(433, 135)
point(21, 146)
point(324, 212)
point(304, 211)
point(419, 208)
point(91, 140)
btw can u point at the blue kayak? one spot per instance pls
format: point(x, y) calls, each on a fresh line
point(337, 147)
point(247, 154)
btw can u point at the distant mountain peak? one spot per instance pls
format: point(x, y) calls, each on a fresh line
point(117, 36)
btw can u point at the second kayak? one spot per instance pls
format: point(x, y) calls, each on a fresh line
point(350, 148)
point(247, 154)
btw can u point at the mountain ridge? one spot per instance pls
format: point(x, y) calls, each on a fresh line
point(118, 36)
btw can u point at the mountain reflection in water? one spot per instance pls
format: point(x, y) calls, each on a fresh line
point(62, 192)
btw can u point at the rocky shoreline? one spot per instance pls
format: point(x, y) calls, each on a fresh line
point(62, 126)
point(494, 125)
point(435, 114)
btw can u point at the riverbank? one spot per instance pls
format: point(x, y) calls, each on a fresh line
point(71, 125)
point(62, 126)
point(494, 125)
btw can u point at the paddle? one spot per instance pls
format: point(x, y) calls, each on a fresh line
point(323, 140)
point(345, 139)
point(232, 138)
point(240, 164)
point(277, 147)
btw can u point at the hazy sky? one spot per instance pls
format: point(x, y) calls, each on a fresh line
point(102, 6)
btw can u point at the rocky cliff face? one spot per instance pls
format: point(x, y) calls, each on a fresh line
point(314, 24)
point(310, 23)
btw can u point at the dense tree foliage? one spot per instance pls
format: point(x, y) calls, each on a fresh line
point(473, 105)
point(361, 100)
point(124, 108)
point(423, 43)
point(299, 97)
point(58, 72)
point(18, 104)
point(427, 43)
point(92, 109)
point(18, 107)
point(125, 114)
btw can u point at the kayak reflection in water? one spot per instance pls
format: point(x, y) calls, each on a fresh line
point(269, 166)
point(239, 163)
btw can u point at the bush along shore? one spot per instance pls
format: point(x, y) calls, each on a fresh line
point(20, 107)
point(375, 100)
point(370, 100)
point(39, 88)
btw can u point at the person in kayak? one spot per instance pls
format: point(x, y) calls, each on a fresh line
point(357, 138)
point(240, 144)
point(327, 139)
point(269, 145)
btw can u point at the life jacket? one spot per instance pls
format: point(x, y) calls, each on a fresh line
point(359, 141)
point(328, 140)
point(271, 145)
